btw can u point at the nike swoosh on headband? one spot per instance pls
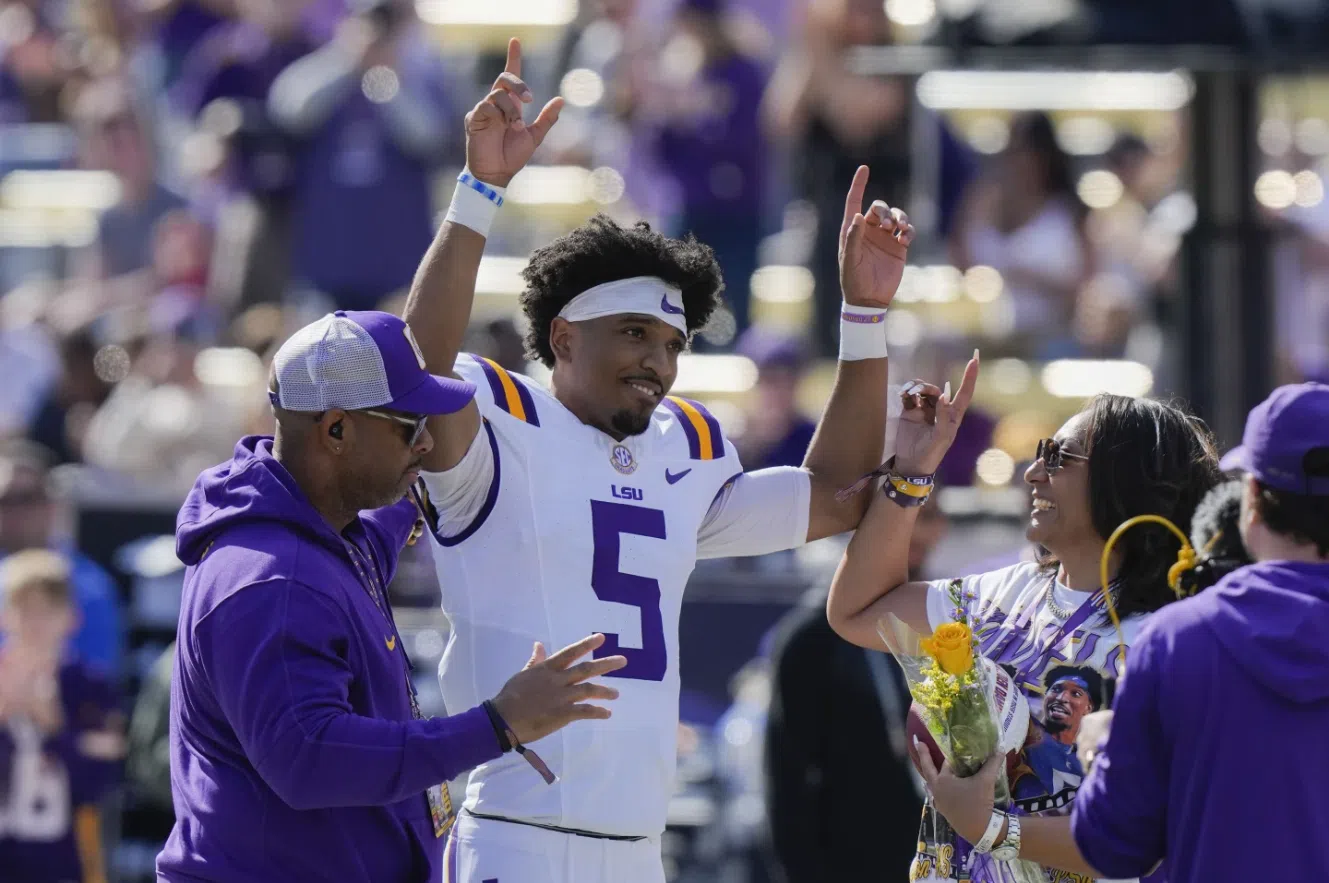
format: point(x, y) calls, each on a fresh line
point(668, 307)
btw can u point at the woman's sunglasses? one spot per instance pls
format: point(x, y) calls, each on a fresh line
point(1054, 455)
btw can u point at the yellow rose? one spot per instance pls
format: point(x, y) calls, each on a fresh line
point(952, 646)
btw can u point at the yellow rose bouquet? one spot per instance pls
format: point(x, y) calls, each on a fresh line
point(971, 709)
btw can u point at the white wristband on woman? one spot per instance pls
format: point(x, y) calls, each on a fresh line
point(862, 333)
point(474, 203)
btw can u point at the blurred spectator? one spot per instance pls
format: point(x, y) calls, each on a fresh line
point(162, 424)
point(1025, 220)
point(32, 67)
point(776, 432)
point(31, 518)
point(1300, 266)
point(594, 38)
point(61, 733)
point(1136, 243)
point(837, 120)
point(703, 104)
point(114, 136)
point(148, 762)
point(374, 109)
point(177, 26)
point(602, 44)
point(497, 339)
point(63, 416)
point(225, 85)
point(842, 793)
point(29, 362)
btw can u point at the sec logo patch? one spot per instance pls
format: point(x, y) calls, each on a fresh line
point(623, 460)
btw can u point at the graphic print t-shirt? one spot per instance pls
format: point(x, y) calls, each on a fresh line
point(1018, 615)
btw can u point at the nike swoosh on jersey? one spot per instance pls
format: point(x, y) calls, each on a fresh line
point(675, 479)
point(391, 642)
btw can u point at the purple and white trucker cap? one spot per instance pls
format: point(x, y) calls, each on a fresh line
point(358, 360)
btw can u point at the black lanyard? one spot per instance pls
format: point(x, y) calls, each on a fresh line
point(369, 581)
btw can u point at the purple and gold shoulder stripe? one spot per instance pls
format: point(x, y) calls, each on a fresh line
point(510, 394)
point(703, 431)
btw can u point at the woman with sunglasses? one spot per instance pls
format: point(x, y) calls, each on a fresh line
point(1119, 457)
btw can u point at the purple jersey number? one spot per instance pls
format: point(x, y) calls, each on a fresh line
point(608, 522)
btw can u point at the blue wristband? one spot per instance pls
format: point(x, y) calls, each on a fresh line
point(481, 188)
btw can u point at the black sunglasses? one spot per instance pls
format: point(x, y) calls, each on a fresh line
point(1053, 454)
point(415, 424)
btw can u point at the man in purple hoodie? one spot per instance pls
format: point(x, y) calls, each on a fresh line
point(1215, 760)
point(298, 751)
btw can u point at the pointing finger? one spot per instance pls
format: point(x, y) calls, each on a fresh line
point(967, 385)
point(513, 65)
point(853, 201)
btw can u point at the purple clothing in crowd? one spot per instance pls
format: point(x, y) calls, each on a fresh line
point(718, 160)
point(1216, 757)
point(37, 844)
point(240, 61)
point(364, 204)
point(295, 755)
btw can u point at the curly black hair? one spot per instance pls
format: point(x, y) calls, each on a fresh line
point(601, 251)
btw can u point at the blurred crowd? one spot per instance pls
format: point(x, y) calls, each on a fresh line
point(184, 182)
point(252, 163)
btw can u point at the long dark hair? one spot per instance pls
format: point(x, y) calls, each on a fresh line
point(1145, 457)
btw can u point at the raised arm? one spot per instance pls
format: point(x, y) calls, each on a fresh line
point(873, 578)
point(498, 145)
point(849, 438)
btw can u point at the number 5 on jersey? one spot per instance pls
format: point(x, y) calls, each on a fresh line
point(609, 521)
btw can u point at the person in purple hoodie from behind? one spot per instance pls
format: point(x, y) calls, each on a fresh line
point(298, 751)
point(1215, 760)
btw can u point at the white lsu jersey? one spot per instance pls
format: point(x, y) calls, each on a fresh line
point(549, 530)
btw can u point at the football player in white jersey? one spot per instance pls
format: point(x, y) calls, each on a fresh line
point(585, 506)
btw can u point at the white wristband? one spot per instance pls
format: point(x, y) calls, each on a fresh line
point(862, 333)
point(990, 835)
point(474, 203)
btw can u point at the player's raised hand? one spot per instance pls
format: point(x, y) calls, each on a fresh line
point(873, 247)
point(551, 692)
point(499, 142)
point(930, 421)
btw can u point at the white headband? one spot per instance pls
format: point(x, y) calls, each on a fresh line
point(648, 295)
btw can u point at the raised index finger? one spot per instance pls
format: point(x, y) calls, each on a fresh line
point(514, 57)
point(968, 384)
point(853, 201)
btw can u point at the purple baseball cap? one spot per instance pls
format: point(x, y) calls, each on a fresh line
point(358, 360)
point(1286, 442)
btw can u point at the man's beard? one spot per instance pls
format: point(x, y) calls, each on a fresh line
point(1055, 725)
point(366, 496)
point(627, 422)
